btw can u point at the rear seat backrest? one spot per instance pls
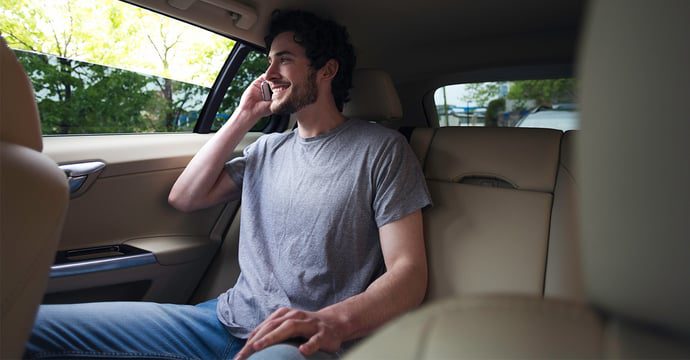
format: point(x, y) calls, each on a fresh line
point(489, 227)
point(493, 190)
point(564, 274)
point(420, 139)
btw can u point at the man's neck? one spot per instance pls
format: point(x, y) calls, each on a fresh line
point(318, 118)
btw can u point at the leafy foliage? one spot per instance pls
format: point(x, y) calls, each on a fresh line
point(253, 66)
point(544, 92)
point(75, 97)
point(482, 93)
point(87, 61)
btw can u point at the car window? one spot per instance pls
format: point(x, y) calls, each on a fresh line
point(109, 67)
point(253, 65)
point(548, 103)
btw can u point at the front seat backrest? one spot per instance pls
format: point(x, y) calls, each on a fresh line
point(33, 203)
point(634, 159)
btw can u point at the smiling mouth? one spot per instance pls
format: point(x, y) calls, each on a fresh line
point(278, 89)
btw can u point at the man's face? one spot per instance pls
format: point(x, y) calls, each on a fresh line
point(292, 79)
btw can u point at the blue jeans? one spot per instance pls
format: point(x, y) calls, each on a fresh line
point(129, 330)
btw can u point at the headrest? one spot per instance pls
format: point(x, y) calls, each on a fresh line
point(527, 159)
point(633, 157)
point(373, 97)
point(19, 122)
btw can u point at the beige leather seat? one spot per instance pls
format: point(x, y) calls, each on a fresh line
point(33, 203)
point(505, 214)
point(488, 230)
point(563, 278)
point(373, 97)
point(633, 177)
point(502, 201)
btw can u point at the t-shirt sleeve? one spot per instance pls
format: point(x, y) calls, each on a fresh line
point(235, 167)
point(400, 187)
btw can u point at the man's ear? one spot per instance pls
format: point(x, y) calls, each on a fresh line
point(329, 70)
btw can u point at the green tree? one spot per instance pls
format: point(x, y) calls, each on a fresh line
point(70, 96)
point(482, 93)
point(543, 92)
point(254, 65)
point(110, 33)
point(66, 89)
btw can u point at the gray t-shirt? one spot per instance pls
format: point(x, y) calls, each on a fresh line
point(311, 210)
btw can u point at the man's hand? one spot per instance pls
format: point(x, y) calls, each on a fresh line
point(252, 100)
point(321, 332)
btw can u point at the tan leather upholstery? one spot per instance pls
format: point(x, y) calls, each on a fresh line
point(373, 97)
point(420, 141)
point(32, 207)
point(636, 204)
point(483, 239)
point(524, 158)
point(514, 229)
point(490, 327)
point(17, 102)
point(469, 253)
point(563, 269)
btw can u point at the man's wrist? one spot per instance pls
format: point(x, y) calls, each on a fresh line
point(243, 118)
point(341, 322)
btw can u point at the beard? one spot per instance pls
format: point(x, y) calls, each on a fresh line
point(300, 96)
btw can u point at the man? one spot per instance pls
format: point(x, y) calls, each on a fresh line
point(325, 210)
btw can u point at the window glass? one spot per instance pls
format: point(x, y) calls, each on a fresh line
point(253, 65)
point(526, 103)
point(109, 67)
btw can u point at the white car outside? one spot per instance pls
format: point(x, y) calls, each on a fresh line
point(551, 119)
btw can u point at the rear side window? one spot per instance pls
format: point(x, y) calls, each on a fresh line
point(546, 103)
point(109, 67)
point(253, 65)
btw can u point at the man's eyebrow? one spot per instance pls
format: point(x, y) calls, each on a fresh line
point(281, 53)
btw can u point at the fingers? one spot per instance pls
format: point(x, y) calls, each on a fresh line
point(288, 329)
point(276, 314)
point(311, 346)
point(281, 325)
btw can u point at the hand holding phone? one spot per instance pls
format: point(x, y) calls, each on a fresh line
point(266, 92)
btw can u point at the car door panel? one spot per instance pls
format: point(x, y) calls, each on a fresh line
point(125, 203)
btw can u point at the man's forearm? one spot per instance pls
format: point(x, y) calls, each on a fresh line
point(196, 185)
point(400, 289)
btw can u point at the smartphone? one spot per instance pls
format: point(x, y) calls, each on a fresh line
point(266, 92)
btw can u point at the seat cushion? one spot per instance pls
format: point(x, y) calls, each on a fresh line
point(489, 327)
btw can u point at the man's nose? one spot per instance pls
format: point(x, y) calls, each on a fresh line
point(272, 71)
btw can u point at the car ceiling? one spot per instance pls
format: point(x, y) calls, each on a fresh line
point(415, 40)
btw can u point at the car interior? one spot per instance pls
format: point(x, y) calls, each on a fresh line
point(540, 243)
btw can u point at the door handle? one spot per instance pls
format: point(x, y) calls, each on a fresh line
point(78, 173)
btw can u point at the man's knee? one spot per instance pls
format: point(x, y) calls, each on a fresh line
point(278, 351)
point(288, 352)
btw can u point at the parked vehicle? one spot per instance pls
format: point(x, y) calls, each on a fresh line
point(551, 119)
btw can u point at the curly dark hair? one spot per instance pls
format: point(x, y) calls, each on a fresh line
point(322, 40)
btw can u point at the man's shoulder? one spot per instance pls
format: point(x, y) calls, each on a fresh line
point(376, 133)
point(273, 139)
